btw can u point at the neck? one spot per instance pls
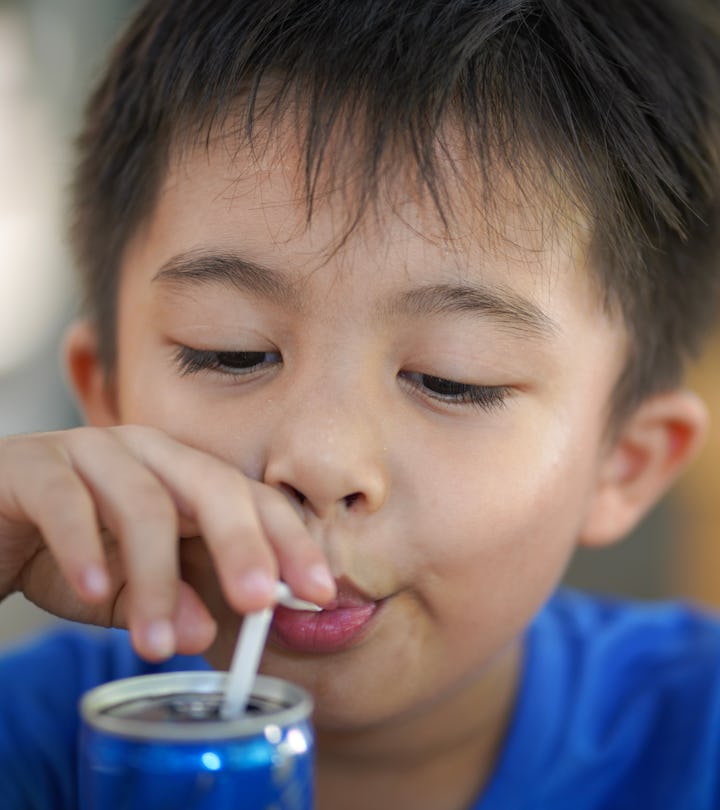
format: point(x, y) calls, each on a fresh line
point(437, 760)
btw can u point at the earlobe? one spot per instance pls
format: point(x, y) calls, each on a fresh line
point(654, 446)
point(88, 377)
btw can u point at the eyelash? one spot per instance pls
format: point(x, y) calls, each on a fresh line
point(486, 397)
point(192, 361)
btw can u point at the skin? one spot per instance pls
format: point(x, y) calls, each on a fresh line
point(334, 449)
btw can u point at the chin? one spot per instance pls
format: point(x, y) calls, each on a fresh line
point(344, 701)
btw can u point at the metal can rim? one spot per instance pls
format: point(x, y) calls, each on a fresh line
point(96, 701)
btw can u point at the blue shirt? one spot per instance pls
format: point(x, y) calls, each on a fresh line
point(618, 707)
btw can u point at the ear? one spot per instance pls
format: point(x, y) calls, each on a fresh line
point(94, 390)
point(653, 447)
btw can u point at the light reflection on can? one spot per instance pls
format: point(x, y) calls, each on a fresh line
point(157, 742)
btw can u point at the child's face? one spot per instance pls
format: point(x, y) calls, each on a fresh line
point(458, 516)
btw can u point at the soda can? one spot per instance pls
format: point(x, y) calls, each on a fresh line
point(157, 742)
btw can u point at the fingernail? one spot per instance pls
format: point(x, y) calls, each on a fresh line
point(320, 576)
point(160, 638)
point(95, 581)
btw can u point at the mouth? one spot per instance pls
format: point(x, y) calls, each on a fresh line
point(342, 623)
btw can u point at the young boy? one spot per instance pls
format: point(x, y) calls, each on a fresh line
point(389, 299)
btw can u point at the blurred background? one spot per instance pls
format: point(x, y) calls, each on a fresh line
point(50, 53)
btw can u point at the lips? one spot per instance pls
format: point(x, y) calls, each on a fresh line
point(343, 623)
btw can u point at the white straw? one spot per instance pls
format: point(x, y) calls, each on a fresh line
point(248, 651)
point(245, 662)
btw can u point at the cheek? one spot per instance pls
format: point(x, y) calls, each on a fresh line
point(156, 397)
point(503, 527)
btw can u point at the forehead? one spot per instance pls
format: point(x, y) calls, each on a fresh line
point(224, 191)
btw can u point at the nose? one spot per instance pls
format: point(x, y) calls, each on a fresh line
point(331, 458)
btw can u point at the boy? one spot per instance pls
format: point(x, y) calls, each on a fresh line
point(390, 300)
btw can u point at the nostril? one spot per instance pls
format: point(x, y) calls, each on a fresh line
point(294, 493)
point(300, 499)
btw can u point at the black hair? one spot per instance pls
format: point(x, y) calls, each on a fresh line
point(614, 101)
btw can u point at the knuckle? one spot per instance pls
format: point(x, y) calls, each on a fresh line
point(83, 441)
point(20, 451)
point(137, 433)
point(151, 504)
point(63, 490)
point(85, 434)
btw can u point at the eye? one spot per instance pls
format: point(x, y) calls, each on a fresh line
point(191, 361)
point(453, 392)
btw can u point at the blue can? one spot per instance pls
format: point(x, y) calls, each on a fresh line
point(157, 742)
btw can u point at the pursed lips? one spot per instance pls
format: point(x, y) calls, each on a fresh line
point(342, 623)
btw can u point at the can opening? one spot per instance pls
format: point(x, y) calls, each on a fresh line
point(186, 707)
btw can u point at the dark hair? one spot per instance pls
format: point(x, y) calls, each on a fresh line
point(615, 100)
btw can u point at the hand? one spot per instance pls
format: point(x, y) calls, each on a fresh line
point(90, 521)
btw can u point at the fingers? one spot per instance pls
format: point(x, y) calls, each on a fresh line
point(65, 486)
point(302, 564)
point(133, 504)
point(193, 626)
point(147, 489)
point(252, 532)
point(47, 493)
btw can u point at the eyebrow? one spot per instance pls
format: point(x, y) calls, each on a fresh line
point(503, 305)
point(198, 267)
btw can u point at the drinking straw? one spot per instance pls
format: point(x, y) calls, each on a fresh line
point(248, 651)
